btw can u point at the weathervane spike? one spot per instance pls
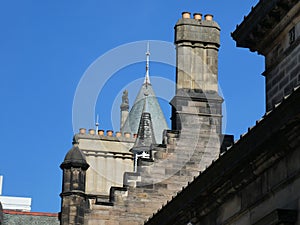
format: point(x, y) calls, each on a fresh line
point(147, 79)
point(97, 124)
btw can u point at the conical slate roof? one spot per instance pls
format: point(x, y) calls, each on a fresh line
point(146, 96)
point(145, 134)
point(76, 158)
point(146, 99)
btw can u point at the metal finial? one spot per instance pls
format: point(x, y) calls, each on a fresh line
point(147, 79)
point(97, 124)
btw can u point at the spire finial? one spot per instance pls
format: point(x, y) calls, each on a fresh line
point(147, 79)
point(97, 123)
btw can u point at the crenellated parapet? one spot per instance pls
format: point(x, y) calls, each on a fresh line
point(108, 135)
point(73, 193)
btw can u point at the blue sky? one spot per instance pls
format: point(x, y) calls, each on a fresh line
point(46, 47)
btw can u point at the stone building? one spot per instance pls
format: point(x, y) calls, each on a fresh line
point(99, 183)
point(195, 174)
point(256, 181)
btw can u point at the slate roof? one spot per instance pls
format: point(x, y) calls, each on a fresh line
point(75, 157)
point(146, 94)
point(32, 218)
point(145, 134)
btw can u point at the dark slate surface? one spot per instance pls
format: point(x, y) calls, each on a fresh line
point(27, 219)
point(75, 157)
point(131, 125)
point(145, 134)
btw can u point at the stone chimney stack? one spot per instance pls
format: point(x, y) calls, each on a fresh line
point(197, 43)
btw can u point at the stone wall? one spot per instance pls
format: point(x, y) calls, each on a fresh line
point(275, 188)
point(283, 64)
point(282, 78)
point(272, 28)
point(109, 158)
point(255, 182)
point(174, 166)
point(282, 57)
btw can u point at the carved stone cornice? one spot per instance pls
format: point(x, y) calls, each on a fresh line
point(258, 27)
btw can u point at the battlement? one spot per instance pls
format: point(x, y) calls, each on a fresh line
point(108, 136)
point(106, 152)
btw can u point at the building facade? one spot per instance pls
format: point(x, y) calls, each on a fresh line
point(256, 181)
point(194, 174)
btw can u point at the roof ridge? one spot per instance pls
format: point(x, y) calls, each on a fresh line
point(14, 212)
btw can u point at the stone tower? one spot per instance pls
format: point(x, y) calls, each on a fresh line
point(73, 191)
point(197, 103)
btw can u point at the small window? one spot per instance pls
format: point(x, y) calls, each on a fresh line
point(292, 35)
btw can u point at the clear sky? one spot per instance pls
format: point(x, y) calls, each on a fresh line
point(46, 47)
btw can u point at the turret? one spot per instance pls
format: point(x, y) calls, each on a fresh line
point(142, 145)
point(124, 108)
point(73, 188)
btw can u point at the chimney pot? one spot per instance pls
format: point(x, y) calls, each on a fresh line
point(109, 133)
point(100, 132)
point(118, 134)
point(127, 134)
point(91, 131)
point(197, 16)
point(82, 131)
point(186, 15)
point(209, 17)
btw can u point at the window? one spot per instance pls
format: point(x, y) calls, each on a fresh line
point(292, 35)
